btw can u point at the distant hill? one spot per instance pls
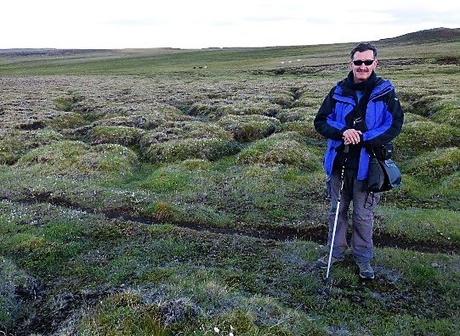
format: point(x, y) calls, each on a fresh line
point(428, 35)
point(15, 52)
point(54, 52)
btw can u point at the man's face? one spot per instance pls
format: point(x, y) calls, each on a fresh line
point(362, 72)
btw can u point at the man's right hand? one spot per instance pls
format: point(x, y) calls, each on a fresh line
point(351, 136)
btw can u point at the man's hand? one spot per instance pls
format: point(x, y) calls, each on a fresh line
point(351, 136)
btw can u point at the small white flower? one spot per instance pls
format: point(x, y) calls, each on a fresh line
point(230, 334)
point(216, 330)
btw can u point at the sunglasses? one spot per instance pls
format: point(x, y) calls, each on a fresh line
point(366, 62)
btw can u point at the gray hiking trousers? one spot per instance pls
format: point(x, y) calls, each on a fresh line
point(364, 204)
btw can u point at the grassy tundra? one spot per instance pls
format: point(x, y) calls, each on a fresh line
point(180, 192)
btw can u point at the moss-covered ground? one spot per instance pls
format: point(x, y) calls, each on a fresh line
point(182, 193)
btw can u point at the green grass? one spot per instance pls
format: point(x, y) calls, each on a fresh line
point(436, 164)
point(75, 157)
point(253, 285)
point(15, 144)
point(136, 202)
point(436, 225)
point(217, 60)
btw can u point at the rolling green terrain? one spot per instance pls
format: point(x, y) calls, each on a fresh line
point(181, 192)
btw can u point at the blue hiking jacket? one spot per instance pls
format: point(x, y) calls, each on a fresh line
point(383, 121)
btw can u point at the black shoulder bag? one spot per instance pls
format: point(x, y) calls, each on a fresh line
point(384, 174)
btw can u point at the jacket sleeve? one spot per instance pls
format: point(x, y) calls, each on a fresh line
point(324, 122)
point(392, 125)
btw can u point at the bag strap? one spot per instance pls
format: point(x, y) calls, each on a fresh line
point(371, 151)
point(359, 112)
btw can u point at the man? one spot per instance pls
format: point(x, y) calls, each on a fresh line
point(360, 112)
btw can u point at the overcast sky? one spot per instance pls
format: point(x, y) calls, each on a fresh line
point(208, 23)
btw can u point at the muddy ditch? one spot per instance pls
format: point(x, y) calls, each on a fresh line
point(316, 234)
point(301, 70)
point(48, 313)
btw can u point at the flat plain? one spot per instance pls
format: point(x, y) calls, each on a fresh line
point(181, 192)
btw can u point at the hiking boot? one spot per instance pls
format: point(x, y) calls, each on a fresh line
point(322, 262)
point(365, 270)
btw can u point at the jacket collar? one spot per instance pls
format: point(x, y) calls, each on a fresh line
point(344, 90)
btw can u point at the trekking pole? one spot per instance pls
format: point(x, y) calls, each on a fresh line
point(342, 175)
